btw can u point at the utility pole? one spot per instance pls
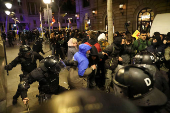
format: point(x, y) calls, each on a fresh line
point(110, 21)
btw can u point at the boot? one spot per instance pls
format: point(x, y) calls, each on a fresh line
point(14, 101)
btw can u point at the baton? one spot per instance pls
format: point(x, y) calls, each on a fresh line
point(5, 56)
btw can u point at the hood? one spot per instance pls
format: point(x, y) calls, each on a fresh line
point(168, 34)
point(101, 36)
point(70, 42)
point(117, 41)
point(83, 48)
point(159, 41)
point(92, 41)
point(93, 51)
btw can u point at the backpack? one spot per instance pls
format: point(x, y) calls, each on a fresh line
point(97, 45)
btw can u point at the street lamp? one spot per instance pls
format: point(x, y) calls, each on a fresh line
point(48, 2)
point(7, 12)
point(8, 5)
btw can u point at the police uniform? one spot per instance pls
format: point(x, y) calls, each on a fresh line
point(27, 59)
point(47, 74)
point(37, 47)
point(137, 84)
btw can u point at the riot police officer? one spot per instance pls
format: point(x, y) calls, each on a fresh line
point(37, 47)
point(137, 84)
point(27, 58)
point(150, 61)
point(47, 74)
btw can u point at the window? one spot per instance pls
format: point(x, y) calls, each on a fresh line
point(1, 18)
point(145, 16)
point(19, 3)
point(67, 21)
point(86, 3)
point(21, 17)
point(75, 20)
point(63, 20)
point(20, 10)
point(14, 10)
point(32, 8)
point(34, 21)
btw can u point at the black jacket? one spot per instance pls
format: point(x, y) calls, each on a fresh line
point(37, 47)
point(27, 64)
point(48, 82)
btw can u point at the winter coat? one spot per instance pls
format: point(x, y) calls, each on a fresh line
point(103, 44)
point(71, 51)
point(77, 82)
point(93, 52)
point(154, 49)
point(81, 58)
point(95, 43)
point(37, 47)
point(140, 45)
point(127, 54)
point(112, 50)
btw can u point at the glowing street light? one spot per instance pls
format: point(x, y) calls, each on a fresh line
point(47, 1)
point(8, 5)
point(7, 12)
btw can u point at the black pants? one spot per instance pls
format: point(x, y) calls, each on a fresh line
point(18, 93)
point(10, 42)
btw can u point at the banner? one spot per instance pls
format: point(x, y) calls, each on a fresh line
point(136, 34)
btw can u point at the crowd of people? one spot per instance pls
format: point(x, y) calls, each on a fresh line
point(129, 67)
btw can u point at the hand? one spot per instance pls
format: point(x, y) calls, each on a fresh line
point(25, 100)
point(104, 53)
point(165, 41)
point(93, 66)
point(154, 41)
point(6, 67)
point(120, 59)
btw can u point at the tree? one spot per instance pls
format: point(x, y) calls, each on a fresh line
point(59, 4)
point(110, 21)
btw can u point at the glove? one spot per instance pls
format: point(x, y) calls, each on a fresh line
point(6, 67)
point(74, 63)
point(71, 63)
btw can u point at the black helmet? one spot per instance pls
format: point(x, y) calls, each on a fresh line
point(24, 51)
point(51, 63)
point(137, 84)
point(145, 57)
point(24, 48)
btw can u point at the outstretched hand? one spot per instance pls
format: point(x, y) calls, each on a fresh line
point(25, 100)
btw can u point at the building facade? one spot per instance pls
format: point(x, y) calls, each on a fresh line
point(28, 14)
point(93, 13)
